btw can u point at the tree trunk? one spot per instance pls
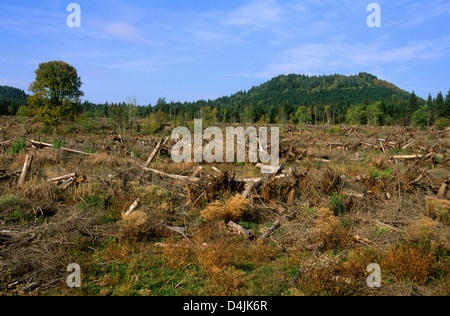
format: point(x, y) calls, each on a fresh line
point(25, 170)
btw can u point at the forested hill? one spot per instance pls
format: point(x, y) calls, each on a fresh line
point(325, 90)
point(326, 97)
point(10, 100)
point(12, 94)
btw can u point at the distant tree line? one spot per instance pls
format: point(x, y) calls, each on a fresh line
point(362, 99)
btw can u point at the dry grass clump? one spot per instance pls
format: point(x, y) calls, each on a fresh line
point(422, 230)
point(104, 159)
point(409, 262)
point(135, 225)
point(320, 275)
point(178, 255)
point(232, 210)
point(35, 189)
point(358, 260)
point(226, 281)
point(438, 209)
point(328, 230)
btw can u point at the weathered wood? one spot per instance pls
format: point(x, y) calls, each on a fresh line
point(41, 144)
point(158, 147)
point(267, 169)
point(443, 189)
point(8, 175)
point(407, 157)
point(238, 229)
point(171, 176)
point(133, 207)
point(416, 180)
point(249, 186)
point(67, 176)
point(197, 172)
point(25, 170)
point(67, 183)
point(6, 142)
point(270, 231)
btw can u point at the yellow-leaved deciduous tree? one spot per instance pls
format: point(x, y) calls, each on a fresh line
point(56, 92)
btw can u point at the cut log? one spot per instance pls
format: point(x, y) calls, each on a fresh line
point(133, 207)
point(406, 146)
point(6, 143)
point(8, 175)
point(25, 170)
point(407, 157)
point(249, 186)
point(155, 151)
point(197, 172)
point(171, 176)
point(239, 229)
point(267, 169)
point(41, 144)
point(270, 231)
point(443, 189)
point(67, 183)
point(67, 176)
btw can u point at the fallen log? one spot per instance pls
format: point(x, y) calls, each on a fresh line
point(67, 176)
point(249, 186)
point(6, 143)
point(67, 183)
point(8, 175)
point(158, 147)
point(197, 172)
point(41, 144)
point(171, 176)
point(25, 170)
point(270, 231)
point(267, 169)
point(133, 207)
point(407, 157)
point(443, 189)
point(239, 229)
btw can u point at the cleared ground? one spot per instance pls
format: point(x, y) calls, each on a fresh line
point(346, 197)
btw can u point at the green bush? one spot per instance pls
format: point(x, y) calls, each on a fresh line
point(18, 147)
point(442, 123)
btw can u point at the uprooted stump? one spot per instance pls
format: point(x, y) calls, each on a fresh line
point(211, 189)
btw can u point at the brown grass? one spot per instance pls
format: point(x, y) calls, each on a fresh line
point(232, 210)
point(409, 262)
point(328, 230)
point(438, 209)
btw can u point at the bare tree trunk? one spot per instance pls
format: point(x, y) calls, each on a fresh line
point(25, 170)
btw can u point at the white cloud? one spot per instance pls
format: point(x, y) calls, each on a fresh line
point(258, 14)
point(124, 32)
point(333, 57)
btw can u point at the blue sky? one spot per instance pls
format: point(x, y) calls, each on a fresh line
point(189, 50)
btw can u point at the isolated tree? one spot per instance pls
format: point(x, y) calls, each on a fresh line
point(373, 113)
point(356, 115)
point(439, 104)
point(302, 115)
point(421, 116)
point(56, 92)
point(446, 112)
point(412, 106)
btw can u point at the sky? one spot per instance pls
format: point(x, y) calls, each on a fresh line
point(187, 50)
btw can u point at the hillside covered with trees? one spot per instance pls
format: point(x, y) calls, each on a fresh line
point(361, 99)
point(11, 99)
